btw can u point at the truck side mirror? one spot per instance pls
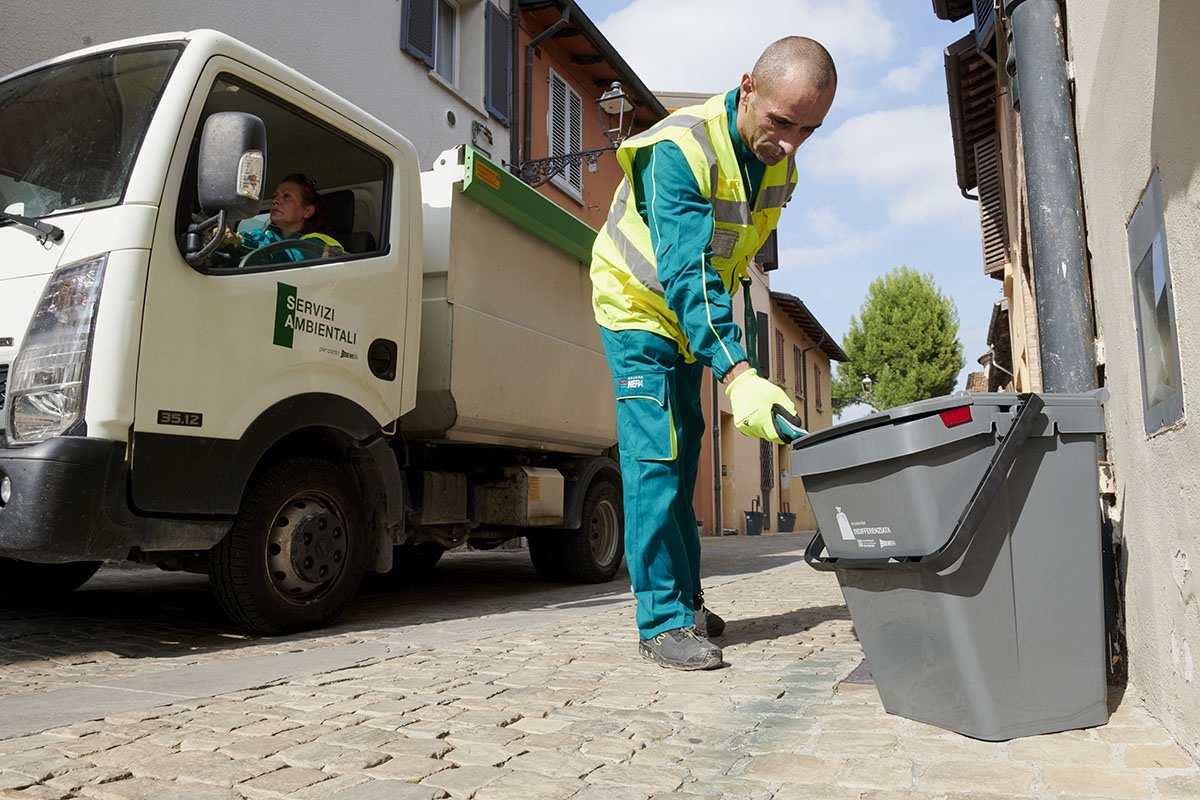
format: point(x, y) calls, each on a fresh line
point(232, 164)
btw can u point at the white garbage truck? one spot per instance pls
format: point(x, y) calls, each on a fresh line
point(285, 419)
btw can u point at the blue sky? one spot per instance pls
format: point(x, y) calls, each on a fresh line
point(877, 184)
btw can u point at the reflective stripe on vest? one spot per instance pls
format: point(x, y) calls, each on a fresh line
point(691, 130)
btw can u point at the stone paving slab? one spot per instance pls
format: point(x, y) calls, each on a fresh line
point(531, 703)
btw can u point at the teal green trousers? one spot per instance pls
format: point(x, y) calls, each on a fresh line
point(659, 426)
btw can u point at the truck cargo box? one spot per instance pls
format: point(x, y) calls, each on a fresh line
point(510, 350)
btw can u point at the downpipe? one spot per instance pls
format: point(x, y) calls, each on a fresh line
point(1061, 281)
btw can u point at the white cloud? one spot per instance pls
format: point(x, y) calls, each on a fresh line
point(827, 237)
point(659, 37)
point(910, 78)
point(902, 155)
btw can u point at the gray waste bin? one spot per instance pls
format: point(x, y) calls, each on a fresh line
point(965, 534)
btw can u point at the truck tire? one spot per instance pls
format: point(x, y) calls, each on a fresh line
point(591, 554)
point(297, 551)
point(25, 580)
point(546, 553)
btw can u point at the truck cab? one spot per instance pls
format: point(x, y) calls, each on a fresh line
point(172, 399)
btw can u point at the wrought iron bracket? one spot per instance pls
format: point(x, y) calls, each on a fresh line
point(540, 170)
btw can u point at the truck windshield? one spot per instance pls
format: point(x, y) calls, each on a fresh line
point(69, 132)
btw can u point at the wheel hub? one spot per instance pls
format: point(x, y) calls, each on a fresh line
point(603, 533)
point(307, 548)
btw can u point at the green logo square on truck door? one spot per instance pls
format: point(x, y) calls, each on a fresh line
point(317, 324)
point(285, 303)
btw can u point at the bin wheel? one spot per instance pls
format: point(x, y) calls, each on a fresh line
point(297, 550)
point(26, 580)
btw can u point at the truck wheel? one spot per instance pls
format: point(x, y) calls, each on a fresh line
point(297, 550)
point(25, 580)
point(593, 553)
point(545, 551)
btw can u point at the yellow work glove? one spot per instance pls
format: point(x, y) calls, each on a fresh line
point(754, 401)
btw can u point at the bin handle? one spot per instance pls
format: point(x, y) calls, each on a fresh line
point(972, 515)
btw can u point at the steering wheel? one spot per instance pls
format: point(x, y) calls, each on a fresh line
point(312, 248)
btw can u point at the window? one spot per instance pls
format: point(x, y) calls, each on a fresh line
point(498, 83)
point(444, 57)
point(817, 387)
point(779, 371)
point(798, 370)
point(429, 31)
point(1154, 306)
point(351, 184)
point(70, 132)
point(768, 255)
point(763, 347)
point(564, 131)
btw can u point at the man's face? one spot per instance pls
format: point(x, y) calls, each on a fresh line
point(774, 121)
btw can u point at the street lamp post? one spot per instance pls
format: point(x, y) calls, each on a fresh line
point(867, 384)
point(616, 113)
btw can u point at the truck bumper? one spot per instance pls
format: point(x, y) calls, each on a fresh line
point(68, 501)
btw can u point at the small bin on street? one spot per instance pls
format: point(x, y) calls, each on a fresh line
point(755, 518)
point(965, 535)
point(787, 519)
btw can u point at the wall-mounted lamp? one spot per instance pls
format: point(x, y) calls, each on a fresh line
point(616, 114)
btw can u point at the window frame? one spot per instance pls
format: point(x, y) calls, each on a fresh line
point(420, 33)
point(1146, 234)
point(442, 59)
point(570, 178)
point(798, 370)
point(279, 112)
point(780, 362)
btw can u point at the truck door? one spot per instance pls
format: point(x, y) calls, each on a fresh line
point(246, 347)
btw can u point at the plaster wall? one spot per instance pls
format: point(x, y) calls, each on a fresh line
point(354, 53)
point(1137, 79)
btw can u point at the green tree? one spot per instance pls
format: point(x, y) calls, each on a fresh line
point(905, 339)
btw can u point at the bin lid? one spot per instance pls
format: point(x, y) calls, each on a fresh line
point(1071, 413)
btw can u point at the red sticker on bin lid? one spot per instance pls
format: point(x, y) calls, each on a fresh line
point(956, 416)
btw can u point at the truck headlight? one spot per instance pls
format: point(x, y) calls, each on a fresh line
point(48, 383)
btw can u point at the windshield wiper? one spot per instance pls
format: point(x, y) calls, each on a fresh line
point(48, 231)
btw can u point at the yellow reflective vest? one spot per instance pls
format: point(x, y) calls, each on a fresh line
point(626, 291)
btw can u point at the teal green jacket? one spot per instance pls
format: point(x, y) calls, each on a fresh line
point(680, 219)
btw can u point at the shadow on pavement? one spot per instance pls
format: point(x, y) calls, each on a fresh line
point(142, 612)
point(775, 626)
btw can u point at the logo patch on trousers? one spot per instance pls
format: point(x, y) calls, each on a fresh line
point(634, 382)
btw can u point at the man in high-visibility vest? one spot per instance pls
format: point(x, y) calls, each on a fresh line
point(702, 191)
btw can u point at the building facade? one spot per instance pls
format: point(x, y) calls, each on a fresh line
point(1130, 78)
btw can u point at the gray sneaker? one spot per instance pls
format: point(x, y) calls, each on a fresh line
point(708, 624)
point(681, 648)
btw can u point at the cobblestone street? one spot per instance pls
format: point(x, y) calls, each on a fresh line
point(478, 681)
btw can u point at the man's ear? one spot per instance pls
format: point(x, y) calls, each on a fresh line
point(747, 84)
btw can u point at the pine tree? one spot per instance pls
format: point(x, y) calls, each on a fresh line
point(905, 339)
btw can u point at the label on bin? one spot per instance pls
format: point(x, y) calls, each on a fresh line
point(855, 531)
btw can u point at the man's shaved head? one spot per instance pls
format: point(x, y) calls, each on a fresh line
point(795, 55)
